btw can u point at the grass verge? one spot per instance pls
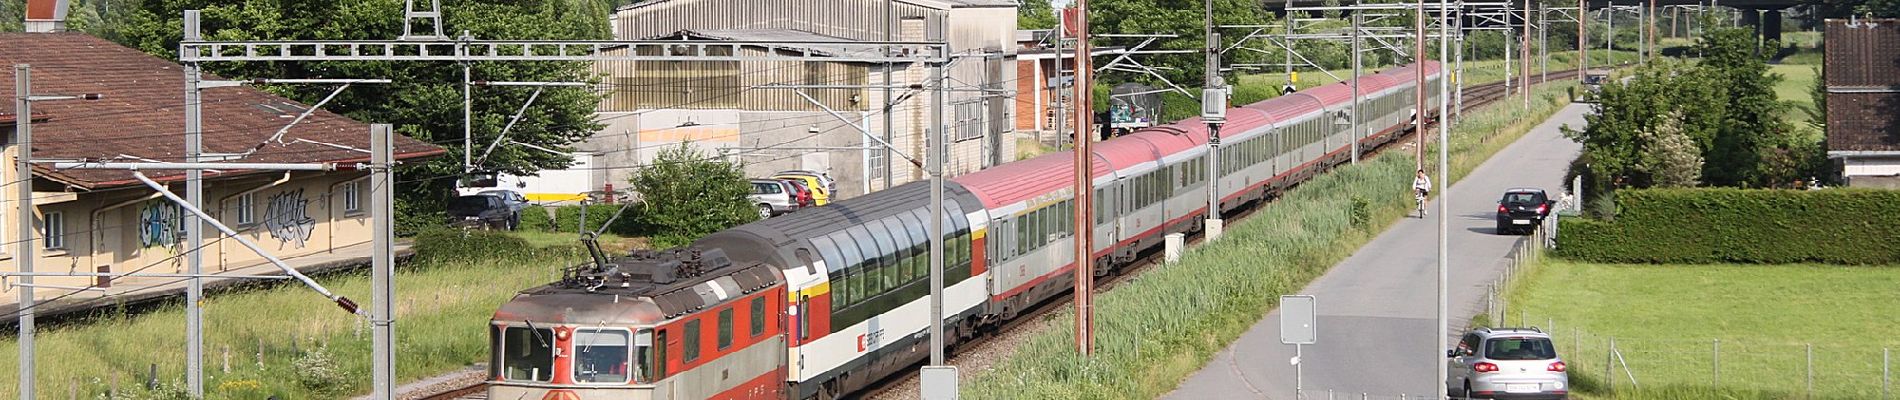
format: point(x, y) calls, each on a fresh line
point(286, 341)
point(1667, 319)
point(1162, 326)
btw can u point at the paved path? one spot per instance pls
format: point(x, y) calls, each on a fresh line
point(1377, 308)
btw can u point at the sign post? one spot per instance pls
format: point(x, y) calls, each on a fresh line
point(1297, 328)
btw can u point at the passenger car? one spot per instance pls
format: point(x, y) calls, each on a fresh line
point(482, 210)
point(802, 193)
point(773, 197)
point(1523, 209)
point(513, 199)
point(821, 185)
point(1506, 363)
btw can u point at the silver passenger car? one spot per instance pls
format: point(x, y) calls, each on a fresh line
point(1507, 363)
point(772, 197)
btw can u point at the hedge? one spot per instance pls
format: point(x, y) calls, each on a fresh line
point(567, 219)
point(1839, 226)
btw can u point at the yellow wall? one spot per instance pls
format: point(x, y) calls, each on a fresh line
point(125, 229)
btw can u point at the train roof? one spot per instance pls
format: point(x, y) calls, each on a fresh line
point(674, 282)
point(1011, 183)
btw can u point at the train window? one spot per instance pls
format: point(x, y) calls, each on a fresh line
point(528, 354)
point(893, 241)
point(659, 356)
point(643, 356)
point(919, 244)
point(690, 344)
point(1023, 225)
point(758, 316)
point(725, 328)
point(600, 356)
point(900, 257)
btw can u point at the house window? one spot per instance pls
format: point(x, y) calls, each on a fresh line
point(245, 214)
point(351, 198)
point(53, 228)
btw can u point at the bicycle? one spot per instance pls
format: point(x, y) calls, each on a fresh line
point(1418, 198)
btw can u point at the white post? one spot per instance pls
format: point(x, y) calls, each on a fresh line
point(937, 153)
point(23, 191)
point(1358, 18)
point(1299, 371)
point(194, 230)
point(1717, 368)
point(1171, 251)
point(1444, 203)
point(383, 262)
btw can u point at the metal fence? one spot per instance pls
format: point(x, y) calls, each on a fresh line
point(1713, 367)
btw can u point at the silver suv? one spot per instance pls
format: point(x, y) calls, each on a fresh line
point(1506, 363)
point(773, 197)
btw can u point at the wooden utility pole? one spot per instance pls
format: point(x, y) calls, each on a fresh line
point(1084, 188)
point(1652, 32)
point(1583, 53)
point(1524, 56)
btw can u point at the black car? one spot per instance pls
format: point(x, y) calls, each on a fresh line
point(485, 211)
point(1523, 209)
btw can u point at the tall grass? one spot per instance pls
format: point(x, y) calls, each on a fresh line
point(1159, 327)
point(443, 303)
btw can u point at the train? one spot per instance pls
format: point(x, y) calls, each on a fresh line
point(821, 303)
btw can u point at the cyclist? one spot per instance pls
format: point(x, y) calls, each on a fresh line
point(1421, 188)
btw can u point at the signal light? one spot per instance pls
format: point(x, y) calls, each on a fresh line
point(1485, 367)
point(1556, 367)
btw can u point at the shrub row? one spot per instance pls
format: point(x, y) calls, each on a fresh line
point(1841, 226)
point(568, 218)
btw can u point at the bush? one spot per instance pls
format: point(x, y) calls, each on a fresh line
point(442, 244)
point(317, 372)
point(1840, 226)
point(567, 219)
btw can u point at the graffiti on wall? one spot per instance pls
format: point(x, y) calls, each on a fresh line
point(288, 218)
point(161, 223)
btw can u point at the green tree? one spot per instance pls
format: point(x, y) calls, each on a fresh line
point(425, 101)
point(1178, 17)
point(1036, 14)
point(686, 195)
point(1752, 117)
point(1672, 159)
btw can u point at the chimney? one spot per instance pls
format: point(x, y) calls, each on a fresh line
point(44, 16)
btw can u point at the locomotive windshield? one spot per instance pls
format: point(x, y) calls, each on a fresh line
point(600, 356)
point(527, 354)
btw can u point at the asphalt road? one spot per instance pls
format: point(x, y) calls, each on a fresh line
point(1378, 308)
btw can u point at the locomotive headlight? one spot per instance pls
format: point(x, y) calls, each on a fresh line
point(560, 333)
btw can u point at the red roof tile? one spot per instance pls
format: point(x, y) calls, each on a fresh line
point(141, 116)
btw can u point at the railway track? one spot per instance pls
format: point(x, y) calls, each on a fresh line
point(1476, 96)
point(478, 391)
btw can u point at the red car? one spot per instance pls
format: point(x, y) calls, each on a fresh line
point(802, 194)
